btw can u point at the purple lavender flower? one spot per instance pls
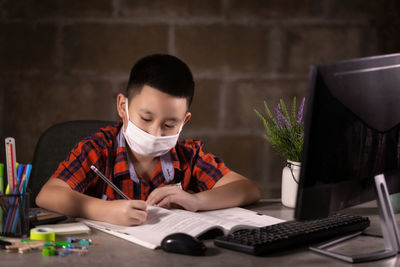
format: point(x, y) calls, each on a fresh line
point(281, 118)
point(300, 113)
point(279, 115)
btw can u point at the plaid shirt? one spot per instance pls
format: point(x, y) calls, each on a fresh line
point(194, 169)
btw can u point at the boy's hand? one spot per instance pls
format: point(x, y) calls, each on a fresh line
point(126, 212)
point(173, 197)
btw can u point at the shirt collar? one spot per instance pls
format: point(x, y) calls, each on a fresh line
point(120, 141)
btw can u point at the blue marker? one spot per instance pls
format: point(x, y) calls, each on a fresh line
point(20, 171)
point(27, 174)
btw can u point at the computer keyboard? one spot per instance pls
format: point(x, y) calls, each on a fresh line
point(278, 237)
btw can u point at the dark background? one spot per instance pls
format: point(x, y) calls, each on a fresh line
point(68, 59)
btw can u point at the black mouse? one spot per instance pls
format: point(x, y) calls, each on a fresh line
point(184, 244)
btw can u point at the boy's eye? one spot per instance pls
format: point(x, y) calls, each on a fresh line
point(169, 126)
point(145, 119)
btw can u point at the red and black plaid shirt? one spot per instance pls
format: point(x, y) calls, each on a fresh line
point(194, 169)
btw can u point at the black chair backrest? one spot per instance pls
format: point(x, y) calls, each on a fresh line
point(53, 147)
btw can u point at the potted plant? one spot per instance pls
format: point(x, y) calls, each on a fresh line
point(285, 132)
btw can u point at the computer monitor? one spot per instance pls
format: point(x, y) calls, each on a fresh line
point(352, 134)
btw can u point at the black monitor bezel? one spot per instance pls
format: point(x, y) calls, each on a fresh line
point(321, 201)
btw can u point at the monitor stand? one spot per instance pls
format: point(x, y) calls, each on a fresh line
point(390, 232)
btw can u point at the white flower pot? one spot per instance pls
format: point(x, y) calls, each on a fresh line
point(290, 179)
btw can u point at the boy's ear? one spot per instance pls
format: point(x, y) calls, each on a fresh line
point(121, 102)
point(187, 117)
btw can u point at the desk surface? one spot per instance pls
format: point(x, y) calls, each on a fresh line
point(113, 250)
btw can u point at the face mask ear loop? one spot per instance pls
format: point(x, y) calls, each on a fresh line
point(180, 129)
point(127, 110)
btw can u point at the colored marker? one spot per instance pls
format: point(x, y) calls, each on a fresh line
point(20, 171)
point(13, 214)
point(27, 175)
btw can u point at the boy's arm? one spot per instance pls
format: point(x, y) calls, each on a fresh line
point(231, 190)
point(58, 196)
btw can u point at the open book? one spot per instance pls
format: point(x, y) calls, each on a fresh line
point(162, 222)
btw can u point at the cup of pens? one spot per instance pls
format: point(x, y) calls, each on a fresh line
point(14, 215)
point(14, 198)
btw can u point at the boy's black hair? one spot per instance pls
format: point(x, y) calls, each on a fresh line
point(163, 72)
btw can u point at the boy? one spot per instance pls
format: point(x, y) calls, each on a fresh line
point(142, 156)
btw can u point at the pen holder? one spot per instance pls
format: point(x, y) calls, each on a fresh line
point(14, 215)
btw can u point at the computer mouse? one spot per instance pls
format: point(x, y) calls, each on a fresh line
point(183, 244)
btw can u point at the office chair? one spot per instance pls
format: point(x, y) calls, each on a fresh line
point(53, 147)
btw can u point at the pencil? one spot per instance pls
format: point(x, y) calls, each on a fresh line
point(102, 176)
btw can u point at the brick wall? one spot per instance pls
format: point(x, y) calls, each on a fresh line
point(67, 60)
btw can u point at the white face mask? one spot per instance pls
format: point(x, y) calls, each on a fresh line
point(146, 144)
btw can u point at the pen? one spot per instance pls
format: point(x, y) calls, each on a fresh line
point(26, 176)
point(102, 176)
point(20, 171)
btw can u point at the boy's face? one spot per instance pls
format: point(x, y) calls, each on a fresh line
point(154, 112)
